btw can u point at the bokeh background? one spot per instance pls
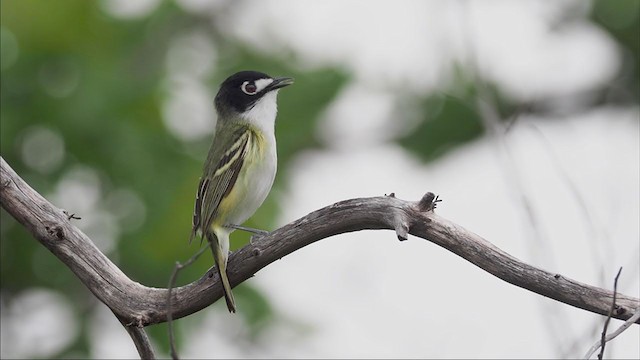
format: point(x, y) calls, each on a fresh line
point(522, 115)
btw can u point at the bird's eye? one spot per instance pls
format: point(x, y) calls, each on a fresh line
point(249, 88)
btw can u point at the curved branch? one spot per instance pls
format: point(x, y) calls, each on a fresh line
point(140, 340)
point(142, 305)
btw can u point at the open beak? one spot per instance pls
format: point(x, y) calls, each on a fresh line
point(279, 83)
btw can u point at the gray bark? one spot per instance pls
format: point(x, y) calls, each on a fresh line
point(139, 305)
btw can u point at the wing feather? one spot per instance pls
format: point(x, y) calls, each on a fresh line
point(217, 182)
point(197, 209)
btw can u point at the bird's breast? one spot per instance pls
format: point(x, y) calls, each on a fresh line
point(256, 177)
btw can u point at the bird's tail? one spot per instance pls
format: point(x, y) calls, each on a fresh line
point(220, 248)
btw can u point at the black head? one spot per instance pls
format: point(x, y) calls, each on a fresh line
point(242, 90)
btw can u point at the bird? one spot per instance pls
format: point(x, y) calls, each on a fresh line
point(241, 164)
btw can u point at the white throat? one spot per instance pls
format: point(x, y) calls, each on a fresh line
point(263, 114)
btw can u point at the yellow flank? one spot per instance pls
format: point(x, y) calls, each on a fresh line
point(228, 204)
point(253, 154)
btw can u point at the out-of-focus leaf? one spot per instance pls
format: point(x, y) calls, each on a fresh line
point(256, 309)
point(621, 18)
point(448, 119)
point(98, 82)
point(448, 122)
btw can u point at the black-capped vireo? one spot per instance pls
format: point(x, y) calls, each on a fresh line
point(241, 164)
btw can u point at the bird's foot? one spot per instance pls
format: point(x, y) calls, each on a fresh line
point(257, 233)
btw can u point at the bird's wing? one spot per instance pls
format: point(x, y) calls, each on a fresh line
point(217, 181)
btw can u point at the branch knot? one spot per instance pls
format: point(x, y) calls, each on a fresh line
point(55, 231)
point(428, 202)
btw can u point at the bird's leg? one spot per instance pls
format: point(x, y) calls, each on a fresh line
point(255, 232)
point(247, 229)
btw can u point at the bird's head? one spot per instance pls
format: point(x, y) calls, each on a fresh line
point(251, 95)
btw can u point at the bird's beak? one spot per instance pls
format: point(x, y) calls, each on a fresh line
point(279, 83)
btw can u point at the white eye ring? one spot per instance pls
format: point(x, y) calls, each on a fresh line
point(249, 88)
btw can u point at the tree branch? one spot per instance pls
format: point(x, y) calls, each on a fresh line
point(633, 319)
point(603, 340)
point(140, 340)
point(137, 304)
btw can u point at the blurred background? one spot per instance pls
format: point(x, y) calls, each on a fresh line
point(522, 115)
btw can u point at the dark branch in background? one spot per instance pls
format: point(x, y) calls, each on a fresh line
point(136, 304)
point(172, 284)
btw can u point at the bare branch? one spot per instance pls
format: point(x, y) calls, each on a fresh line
point(603, 341)
point(632, 320)
point(172, 283)
point(140, 339)
point(139, 304)
point(603, 336)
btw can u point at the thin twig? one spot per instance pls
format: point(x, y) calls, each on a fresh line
point(603, 340)
point(487, 108)
point(172, 283)
point(632, 320)
point(538, 244)
point(593, 229)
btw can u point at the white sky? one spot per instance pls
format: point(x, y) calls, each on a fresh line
point(367, 295)
point(416, 300)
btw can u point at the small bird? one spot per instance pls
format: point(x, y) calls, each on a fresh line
point(241, 164)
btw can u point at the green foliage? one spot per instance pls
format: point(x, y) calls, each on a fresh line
point(97, 83)
point(448, 119)
point(621, 19)
point(448, 122)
